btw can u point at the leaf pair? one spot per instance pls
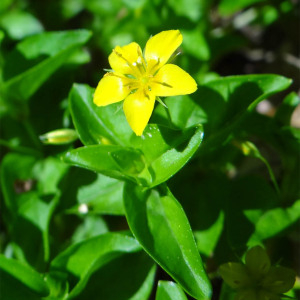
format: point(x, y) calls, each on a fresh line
point(112, 149)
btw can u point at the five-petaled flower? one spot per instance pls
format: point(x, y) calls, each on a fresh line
point(257, 279)
point(140, 78)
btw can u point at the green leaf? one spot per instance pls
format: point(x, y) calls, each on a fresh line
point(228, 7)
point(111, 160)
point(97, 193)
point(19, 281)
point(19, 24)
point(56, 46)
point(259, 215)
point(287, 107)
point(30, 194)
point(230, 98)
point(91, 226)
point(160, 225)
point(97, 125)
point(273, 222)
point(203, 204)
point(81, 260)
point(129, 277)
point(195, 44)
point(158, 155)
point(168, 290)
point(192, 9)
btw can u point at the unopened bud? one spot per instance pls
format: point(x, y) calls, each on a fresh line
point(59, 137)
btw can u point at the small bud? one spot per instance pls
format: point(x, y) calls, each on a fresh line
point(59, 137)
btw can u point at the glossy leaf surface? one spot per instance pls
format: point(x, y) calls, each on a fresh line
point(160, 225)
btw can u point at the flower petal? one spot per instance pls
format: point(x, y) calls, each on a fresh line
point(161, 46)
point(110, 89)
point(172, 81)
point(235, 275)
point(138, 109)
point(257, 262)
point(279, 279)
point(122, 58)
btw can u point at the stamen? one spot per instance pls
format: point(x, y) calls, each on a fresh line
point(128, 63)
point(174, 55)
point(154, 66)
point(115, 75)
point(141, 58)
point(164, 84)
point(146, 95)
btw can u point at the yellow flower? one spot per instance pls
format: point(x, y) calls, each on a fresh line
point(139, 78)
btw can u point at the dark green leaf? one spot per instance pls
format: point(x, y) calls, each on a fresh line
point(129, 277)
point(81, 260)
point(30, 195)
point(159, 223)
point(19, 281)
point(97, 193)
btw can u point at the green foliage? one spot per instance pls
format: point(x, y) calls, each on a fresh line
point(92, 211)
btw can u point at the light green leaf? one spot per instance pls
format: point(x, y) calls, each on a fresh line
point(19, 24)
point(192, 9)
point(160, 225)
point(168, 290)
point(195, 44)
point(228, 7)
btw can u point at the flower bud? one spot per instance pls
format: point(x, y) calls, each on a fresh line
point(59, 137)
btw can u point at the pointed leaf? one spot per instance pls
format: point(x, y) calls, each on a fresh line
point(160, 225)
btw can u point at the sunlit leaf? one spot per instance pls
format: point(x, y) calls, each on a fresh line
point(160, 225)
